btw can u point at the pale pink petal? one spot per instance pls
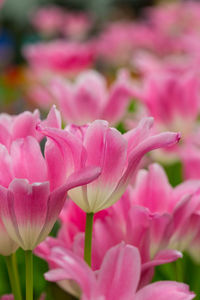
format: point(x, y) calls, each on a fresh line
point(119, 274)
point(63, 93)
point(161, 140)
point(164, 291)
point(30, 209)
point(25, 124)
point(5, 136)
point(53, 119)
point(118, 101)
point(138, 134)
point(105, 148)
point(73, 268)
point(64, 154)
point(6, 174)
point(27, 160)
point(152, 189)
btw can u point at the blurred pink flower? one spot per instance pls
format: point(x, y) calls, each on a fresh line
point(48, 20)
point(7, 297)
point(117, 42)
point(76, 25)
point(52, 20)
point(60, 56)
point(172, 100)
point(89, 98)
point(117, 278)
point(117, 155)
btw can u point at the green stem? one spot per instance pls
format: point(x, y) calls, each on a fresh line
point(12, 276)
point(29, 274)
point(16, 275)
point(178, 270)
point(88, 238)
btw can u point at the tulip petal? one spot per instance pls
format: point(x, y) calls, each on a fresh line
point(27, 160)
point(119, 274)
point(105, 148)
point(165, 290)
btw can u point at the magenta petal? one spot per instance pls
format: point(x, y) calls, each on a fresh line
point(138, 134)
point(30, 209)
point(25, 125)
point(27, 160)
point(154, 142)
point(119, 274)
point(53, 119)
point(105, 148)
point(163, 257)
point(164, 291)
point(5, 136)
point(64, 155)
point(73, 268)
point(118, 100)
point(6, 173)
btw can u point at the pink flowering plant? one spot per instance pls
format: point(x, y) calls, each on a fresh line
point(100, 173)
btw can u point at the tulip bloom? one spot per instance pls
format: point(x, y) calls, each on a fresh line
point(117, 155)
point(173, 100)
point(59, 57)
point(48, 20)
point(29, 211)
point(80, 105)
point(117, 278)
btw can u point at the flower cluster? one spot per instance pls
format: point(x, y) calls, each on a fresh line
point(101, 159)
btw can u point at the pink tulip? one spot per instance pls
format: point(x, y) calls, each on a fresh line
point(79, 104)
point(117, 278)
point(59, 56)
point(175, 224)
point(29, 211)
point(48, 20)
point(176, 18)
point(118, 41)
point(117, 155)
point(19, 126)
point(173, 101)
point(76, 25)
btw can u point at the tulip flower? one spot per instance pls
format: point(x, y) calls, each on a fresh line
point(48, 20)
point(59, 56)
point(117, 278)
point(79, 104)
point(29, 211)
point(172, 99)
point(117, 155)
